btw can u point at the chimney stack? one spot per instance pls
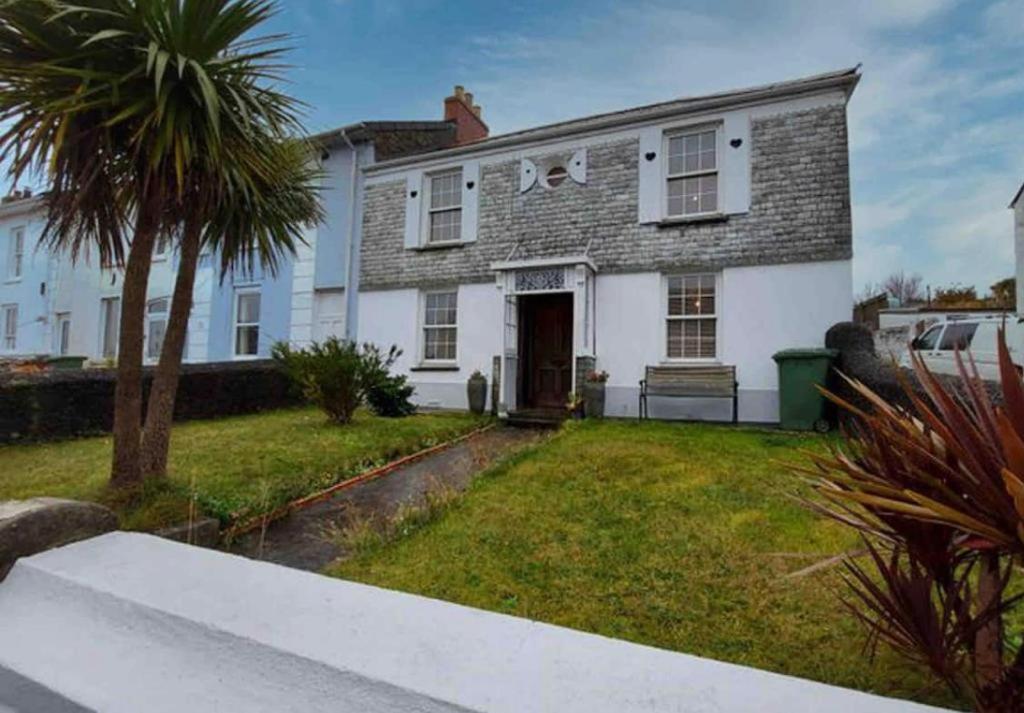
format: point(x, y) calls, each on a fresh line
point(461, 111)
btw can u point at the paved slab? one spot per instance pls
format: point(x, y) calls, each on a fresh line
point(299, 540)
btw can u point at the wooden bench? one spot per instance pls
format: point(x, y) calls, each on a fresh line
point(694, 381)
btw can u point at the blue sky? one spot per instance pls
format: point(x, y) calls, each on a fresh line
point(937, 124)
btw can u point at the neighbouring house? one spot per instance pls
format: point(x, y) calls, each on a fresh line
point(310, 299)
point(24, 274)
point(51, 306)
point(706, 230)
point(1017, 206)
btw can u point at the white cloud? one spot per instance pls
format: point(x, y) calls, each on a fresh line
point(933, 153)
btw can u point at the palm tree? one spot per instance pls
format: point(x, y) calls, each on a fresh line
point(253, 210)
point(120, 102)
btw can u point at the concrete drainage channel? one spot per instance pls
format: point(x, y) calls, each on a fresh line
point(299, 536)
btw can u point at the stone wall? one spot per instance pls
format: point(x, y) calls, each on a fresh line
point(800, 212)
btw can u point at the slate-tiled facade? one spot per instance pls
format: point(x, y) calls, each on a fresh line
point(799, 212)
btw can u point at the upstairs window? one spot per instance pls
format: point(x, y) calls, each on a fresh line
point(10, 327)
point(247, 323)
point(692, 319)
point(440, 316)
point(445, 207)
point(692, 173)
point(16, 254)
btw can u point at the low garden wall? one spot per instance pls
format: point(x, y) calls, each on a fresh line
point(62, 404)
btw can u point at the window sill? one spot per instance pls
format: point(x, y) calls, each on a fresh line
point(440, 246)
point(687, 219)
point(435, 367)
point(12, 280)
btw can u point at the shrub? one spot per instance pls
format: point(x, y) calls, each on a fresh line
point(329, 374)
point(387, 394)
point(338, 377)
point(936, 488)
point(390, 396)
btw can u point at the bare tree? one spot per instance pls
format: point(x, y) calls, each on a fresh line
point(904, 288)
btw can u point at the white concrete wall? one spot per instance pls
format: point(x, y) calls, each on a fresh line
point(128, 622)
point(389, 317)
point(762, 310)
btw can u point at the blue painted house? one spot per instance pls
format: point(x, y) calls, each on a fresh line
point(51, 306)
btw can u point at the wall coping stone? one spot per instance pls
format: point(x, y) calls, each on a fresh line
point(169, 627)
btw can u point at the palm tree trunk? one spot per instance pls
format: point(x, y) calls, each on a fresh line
point(156, 436)
point(126, 468)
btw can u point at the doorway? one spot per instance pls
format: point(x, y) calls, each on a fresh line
point(545, 350)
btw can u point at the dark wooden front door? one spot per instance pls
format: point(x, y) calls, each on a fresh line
point(545, 330)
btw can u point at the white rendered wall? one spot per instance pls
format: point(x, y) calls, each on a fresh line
point(389, 317)
point(129, 622)
point(762, 310)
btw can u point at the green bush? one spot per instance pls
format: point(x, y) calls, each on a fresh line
point(338, 377)
point(386, 393)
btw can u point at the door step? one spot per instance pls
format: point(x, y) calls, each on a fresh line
point(536, 418)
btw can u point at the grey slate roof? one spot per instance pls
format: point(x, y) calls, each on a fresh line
point(845, 79)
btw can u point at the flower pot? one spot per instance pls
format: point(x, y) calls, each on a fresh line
point(476, 393)
point(593, 399)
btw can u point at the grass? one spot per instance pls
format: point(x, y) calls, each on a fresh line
point(234, 467)
point(676, 536)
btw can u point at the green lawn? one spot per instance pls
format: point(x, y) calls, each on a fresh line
point(676, 536)
point(237, 467)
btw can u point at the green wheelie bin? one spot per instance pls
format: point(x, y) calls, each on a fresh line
point(801, 371)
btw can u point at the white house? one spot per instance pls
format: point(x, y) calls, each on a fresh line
point(707, 230)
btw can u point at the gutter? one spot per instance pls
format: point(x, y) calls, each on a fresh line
point(351, 287)
point(846, 80)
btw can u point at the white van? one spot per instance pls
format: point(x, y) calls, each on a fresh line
point(937, 345)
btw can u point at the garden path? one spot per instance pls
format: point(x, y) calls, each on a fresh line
point(302, 539)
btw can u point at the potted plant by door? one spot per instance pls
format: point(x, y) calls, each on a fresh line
point(593, 394)
point(476, 392)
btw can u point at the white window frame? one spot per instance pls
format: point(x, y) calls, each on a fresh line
point(239, 292)
point(152, 317)
point(676, 132)
point(423, 327)
point(10, 327)
point(666, 318)
point(16, 254)
point(163, 241)
point(429, 211)
point(104, 316)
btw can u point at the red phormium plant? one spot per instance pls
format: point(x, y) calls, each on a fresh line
point(937, 491)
